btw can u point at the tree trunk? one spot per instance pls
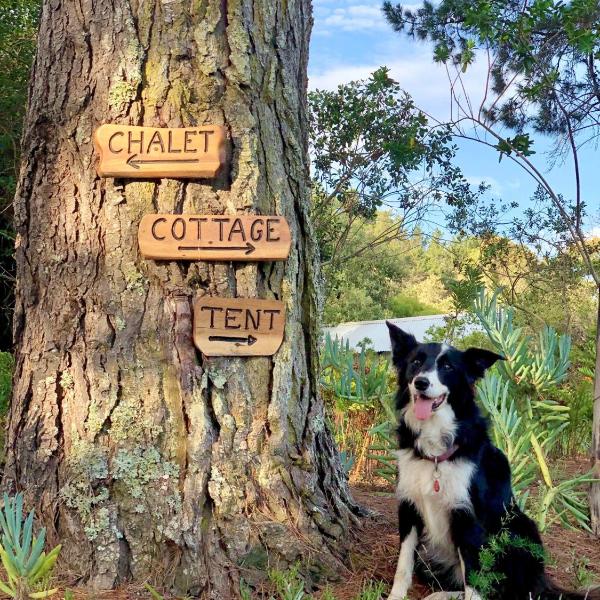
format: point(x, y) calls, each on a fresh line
point(595, 491)
point(141, 455)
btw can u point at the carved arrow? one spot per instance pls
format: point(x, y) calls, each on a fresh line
point(239, 341)
point(249, 248)
point(135, 163)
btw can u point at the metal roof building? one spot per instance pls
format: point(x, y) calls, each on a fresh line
point(377, 331)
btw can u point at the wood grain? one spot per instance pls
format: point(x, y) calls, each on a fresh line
point(238, 326)
point(214, 237)
point(150, 152)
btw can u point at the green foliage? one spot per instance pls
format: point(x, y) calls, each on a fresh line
point(487, 579)
point(154, 594)
point(372, 150)
point(361, 382)
point(540, 366)
point(354, 381)
point(28, 568)
point(18, 27)
point(542, 77)
point(527, 423)
point(6, 369)
point(584, 576)
point(401, 277)
point(402, 305)
point(551, 46)
point(289, 584)
point(521, 144)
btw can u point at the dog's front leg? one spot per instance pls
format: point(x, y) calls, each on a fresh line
point(468, 537)
point(405, 567)
point(410, 526)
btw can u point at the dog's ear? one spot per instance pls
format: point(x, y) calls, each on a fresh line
point(402, 343)
point(477, 360)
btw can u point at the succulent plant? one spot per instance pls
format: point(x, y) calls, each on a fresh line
point(27, 566)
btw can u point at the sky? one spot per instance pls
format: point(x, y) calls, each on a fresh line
point(351, 39)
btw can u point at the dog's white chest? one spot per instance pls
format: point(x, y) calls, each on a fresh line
point(416, 484)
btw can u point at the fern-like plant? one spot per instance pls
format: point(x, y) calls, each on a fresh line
point(526, 424)
point(28, 567)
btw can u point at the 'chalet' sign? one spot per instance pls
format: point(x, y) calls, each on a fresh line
point(238, 326)
point(214, 237)
point(147, 152)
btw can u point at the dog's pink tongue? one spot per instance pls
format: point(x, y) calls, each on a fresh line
point(423, 408)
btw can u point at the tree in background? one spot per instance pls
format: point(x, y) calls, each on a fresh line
point(18, 26)
point(373, 150)
point(543, 78)
point(145, 457)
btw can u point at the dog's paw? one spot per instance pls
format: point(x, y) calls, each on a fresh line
point(398, 595)
point(471, 594)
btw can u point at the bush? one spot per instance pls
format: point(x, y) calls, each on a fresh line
point(6, 369)
point(402, 305)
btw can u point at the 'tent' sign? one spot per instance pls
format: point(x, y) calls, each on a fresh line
point(150, 152)
point(238, 326)
point(214, 237)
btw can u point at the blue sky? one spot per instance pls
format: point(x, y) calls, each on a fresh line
point(351, 39)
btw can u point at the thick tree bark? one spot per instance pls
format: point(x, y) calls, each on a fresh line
point(595, 491)
point(142, 456)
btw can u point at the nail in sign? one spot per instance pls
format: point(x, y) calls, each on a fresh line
point(146, 152)
point(238, 326)
point(214, 237)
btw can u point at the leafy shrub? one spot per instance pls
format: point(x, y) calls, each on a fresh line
point(402, 305)
point(6, 369)
point(359, 389)
point(527, 421)
point(487, 578)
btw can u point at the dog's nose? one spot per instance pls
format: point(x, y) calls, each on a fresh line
point(421, 383)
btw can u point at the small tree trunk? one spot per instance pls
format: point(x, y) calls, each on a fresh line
point(144, 457)
point(595, 491)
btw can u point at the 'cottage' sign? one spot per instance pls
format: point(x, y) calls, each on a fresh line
point(147, 152)
point(238, 326)
point(214, 237)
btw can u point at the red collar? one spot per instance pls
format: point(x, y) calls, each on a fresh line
point(443, 457)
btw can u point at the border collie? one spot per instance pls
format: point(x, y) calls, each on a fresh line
point(454, 487)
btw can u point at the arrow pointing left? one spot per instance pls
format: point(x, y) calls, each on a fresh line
point(135, 163)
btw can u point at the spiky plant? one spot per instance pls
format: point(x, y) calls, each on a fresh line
point(28, 567)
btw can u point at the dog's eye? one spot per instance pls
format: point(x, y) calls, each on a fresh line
point(447, 367)
point(417, 362)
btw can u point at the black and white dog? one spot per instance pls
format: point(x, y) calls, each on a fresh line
point(454, 486)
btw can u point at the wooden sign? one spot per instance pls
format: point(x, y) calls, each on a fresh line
point(214, 237)
point(238, 326)
point(146, 152)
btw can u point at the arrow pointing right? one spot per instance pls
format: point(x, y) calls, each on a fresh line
point(248, 248)
point(239, 341)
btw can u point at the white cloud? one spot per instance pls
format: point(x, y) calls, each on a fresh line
point(349, 16)
point(360, 17)
point(417, 74)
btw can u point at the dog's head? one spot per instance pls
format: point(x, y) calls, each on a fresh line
point(431, 375)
